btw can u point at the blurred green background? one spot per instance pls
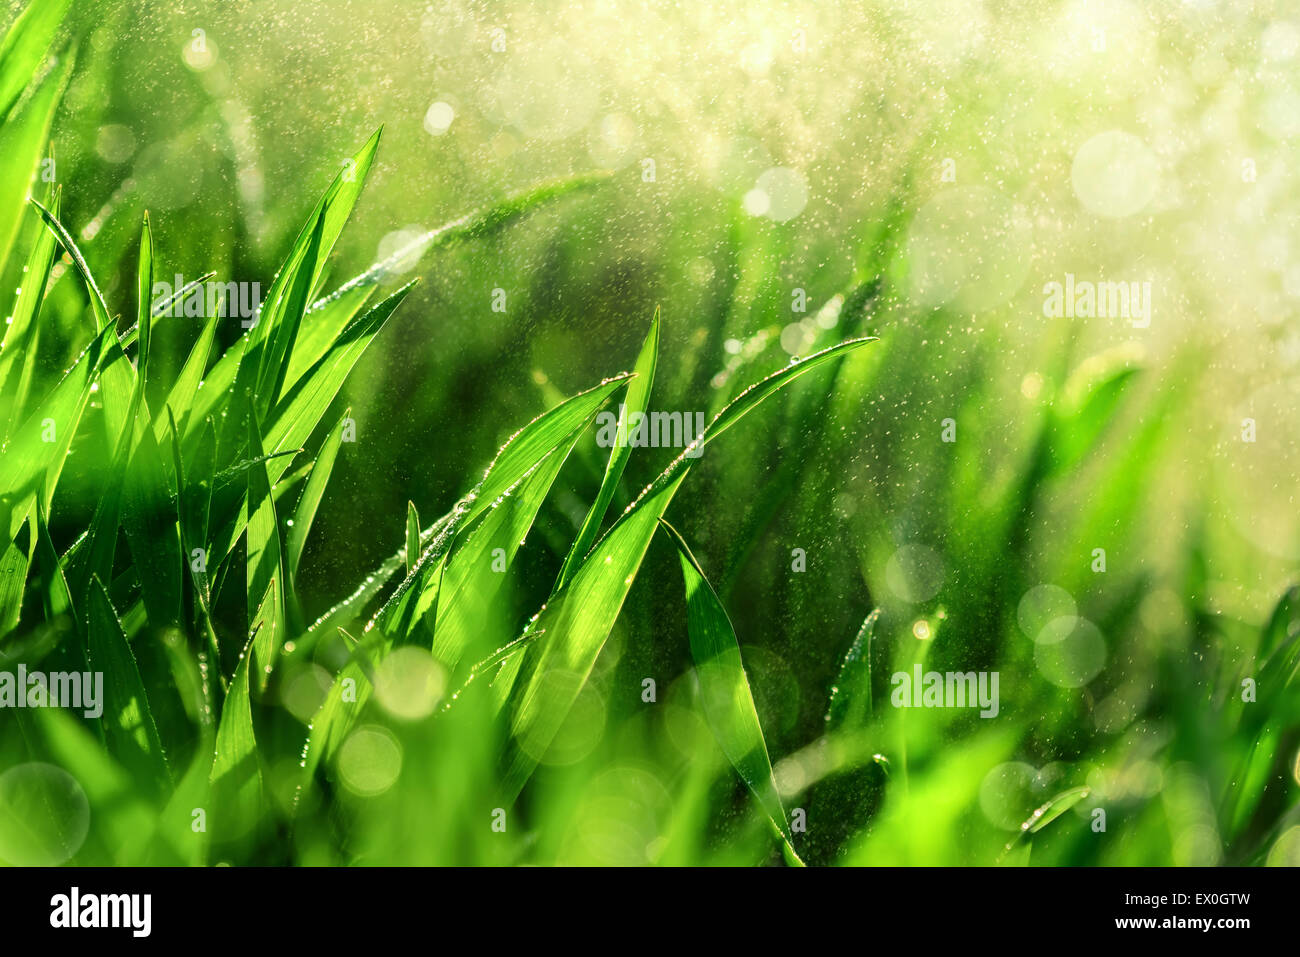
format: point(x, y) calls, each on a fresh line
point(964, 155)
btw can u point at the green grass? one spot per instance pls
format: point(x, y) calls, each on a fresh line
point(593, 655)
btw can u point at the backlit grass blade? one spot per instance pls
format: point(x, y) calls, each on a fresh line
point(117, 375)
point(749, 400)
point(149, 518)
point(286, 319)
point(557, 427)
point(412, 536)
point(850, 704)
point(128, 721)
point(14, 562)
point(22, 335)
point(724, 689)
point(1047, 813)
point(265, 566)
point(236, 775)
point(95, 555)
point(305, 512)
point(477, 570)
point(180, 397)
point(354, 606)
point(1090, 400)
point(297, 414)
point(35, 453)
point(56, 597)
point(329, 315)
point(25, 47)
point(143, 289)
point(262, 365)
point(523, 451)
point(290, 294)
point(1283, 623)
point(22, 145)
point(638, 398)
point(476, 225)
point(98, 308)
point(163, 307)
point(572, 628)
point(319, 329)
point(125, 820)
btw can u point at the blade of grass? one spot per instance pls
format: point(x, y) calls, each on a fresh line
point(850, 704)
point(725, 696)
point(22, 335)
point(23, 138)
point(128, 722)
point(25, 47)
point(236, 775)
point(638, 397)
point(30, 462)
point(305, 512)
point(572, 628)
point(520, 455)
point(143, 288)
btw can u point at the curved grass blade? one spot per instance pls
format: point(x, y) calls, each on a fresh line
point(412, 536)
point(23, 139)
point(522, 453)
point(1089, 403)
point(118, 376)
point(180, 397)
point(724, 690)
point(572, 628)
point(296, 415)
point(475, 572)
point(476, 225)
point(14, 563)
point(278, 319)
point(162, 307)
point(850, 703)
point(638, 397)
point(264, 564)
point(98, 308)
point(1046, 814)
point(22, 335)
point(397, 617)
point(305, 512)
point(129, 728)
point(25, 47)
point(143, 288)
point(236, 775)
point(320, 328)
point(32, 464)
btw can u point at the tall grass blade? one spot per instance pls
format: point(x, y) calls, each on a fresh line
point(724, 689)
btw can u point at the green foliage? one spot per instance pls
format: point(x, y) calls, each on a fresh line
point(186, 509)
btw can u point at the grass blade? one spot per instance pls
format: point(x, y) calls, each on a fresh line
point(850, 704)
point(25, 47)
point(520, 455)
point(572, 628)
point(23, 139)
point(22, 335)
point(724, 689)
point(128, 722)
point(305, 512)
point(638, 397)
point(143, 288)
